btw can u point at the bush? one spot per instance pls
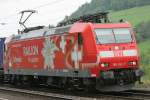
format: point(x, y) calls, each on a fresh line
point(143, 30)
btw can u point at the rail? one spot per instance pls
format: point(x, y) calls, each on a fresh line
point(80, 95)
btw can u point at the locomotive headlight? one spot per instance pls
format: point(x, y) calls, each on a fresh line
point(133, 63)
point(104, 65)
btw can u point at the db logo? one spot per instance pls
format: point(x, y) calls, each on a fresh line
point(118, 53)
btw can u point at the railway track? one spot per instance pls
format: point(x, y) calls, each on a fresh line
point(80, 95)
point(53, 96)
point(139, 93)
point(130, 95)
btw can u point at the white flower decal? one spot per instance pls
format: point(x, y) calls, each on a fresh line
point(76, 56)
point(48, 53)
point(63, 44)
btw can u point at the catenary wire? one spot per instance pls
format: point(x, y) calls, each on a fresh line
point(37, 7)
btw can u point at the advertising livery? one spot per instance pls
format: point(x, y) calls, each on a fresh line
point(82, 54)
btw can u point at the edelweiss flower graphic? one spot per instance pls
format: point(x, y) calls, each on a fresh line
point(48, 53)
point(63, 44)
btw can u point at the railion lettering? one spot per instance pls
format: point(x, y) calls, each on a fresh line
point(30, 50)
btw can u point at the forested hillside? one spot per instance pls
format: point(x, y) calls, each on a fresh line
point(108, 5)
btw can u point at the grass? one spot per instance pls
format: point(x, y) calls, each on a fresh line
point(145, 59)
point(144, 49)
point(135, 15)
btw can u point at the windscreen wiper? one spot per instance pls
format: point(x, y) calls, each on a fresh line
point(97, 40)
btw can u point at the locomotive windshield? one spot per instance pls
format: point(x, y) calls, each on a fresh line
point(116, 35)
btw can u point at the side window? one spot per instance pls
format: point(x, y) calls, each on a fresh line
point(80, 39)
point(44, 33)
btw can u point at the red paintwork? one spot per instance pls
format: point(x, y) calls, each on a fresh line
point(63, 60)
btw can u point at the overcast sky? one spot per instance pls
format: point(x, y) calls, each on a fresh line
point(49, 12)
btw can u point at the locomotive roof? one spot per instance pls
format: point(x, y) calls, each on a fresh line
point(112, 25)
point(74, 28)
point(45, 31)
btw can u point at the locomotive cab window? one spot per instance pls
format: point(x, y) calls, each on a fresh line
point(116, 35)
point(104, 36)
point(122, 35)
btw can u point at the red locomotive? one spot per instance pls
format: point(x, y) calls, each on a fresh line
point(88, 52)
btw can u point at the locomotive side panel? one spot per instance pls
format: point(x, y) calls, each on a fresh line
point(25, 54)
point(56, 55)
